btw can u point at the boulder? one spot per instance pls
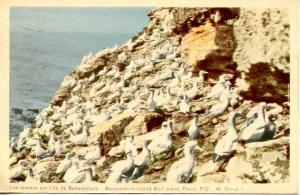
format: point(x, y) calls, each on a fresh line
point(110, 132)
point(209, 47)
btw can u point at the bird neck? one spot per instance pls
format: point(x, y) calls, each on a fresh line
point(232, 124)
point(188, 153)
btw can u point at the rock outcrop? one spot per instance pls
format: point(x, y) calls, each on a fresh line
point(155, 77)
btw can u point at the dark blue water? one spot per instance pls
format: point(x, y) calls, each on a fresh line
point(40, 60)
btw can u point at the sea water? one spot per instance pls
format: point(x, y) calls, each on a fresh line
point(39, 59)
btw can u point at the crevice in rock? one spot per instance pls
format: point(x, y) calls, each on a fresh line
point(266, 85)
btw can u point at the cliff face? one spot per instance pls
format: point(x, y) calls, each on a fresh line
point(251, 47)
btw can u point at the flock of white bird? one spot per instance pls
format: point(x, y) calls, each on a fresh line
point(144, 84)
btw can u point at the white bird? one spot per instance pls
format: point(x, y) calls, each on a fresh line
point(104, 115)
point(217, 17)
point(79, 139)
point(194, 131)
point(260, 126)
point(119, 168)
point(191, 93)
point(142, 160)
point(72, 172)
point(95, 154)
point(148, 68)
point(129, 146)
point(136, 103)
point(103, 71)
point(38, 150)
point(51, 143)
point(150, 101)
point(181, 170)
point(153, 82)
point(76, 127)
point(84, 174)
point(92, 77)
point(59, 148)
point(220, 108)
point(31, 177)
point(17, 171)
point(184, 107)
point(25, 133)
point(163, 142)
point(224, 146)
point(111, 73)
point(78, 86)
point(65, 164)
point(217, 89)
point(253, 114)
point(165, 99)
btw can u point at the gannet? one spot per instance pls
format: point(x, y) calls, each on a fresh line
point(201, 77)
point(13, 146)
point(31, 177)
point(217, 17)
point(38, 150)
point(150, 101)
point(103, 71)
point(92, 77)
point(111, 73)
point(156, 79)
point(141, 161)
point(120, 168)
point(135, 104)
point(224, 146)
point(98, 119)
point(25, 133)
point(162, 143)
point(95, 154)
point(184, 107)
point(79, 139)
point(165, 99)
point(78, 86)
point(148, 68)
point(84, 175)
point(59, 148)
point(51, 143)
point(220, 108)
point(181, 170)
point(169, 74)
point(129, 146)
point(122, 57)
point(17, 171)
point(253, 114)
point(191, 93)
point(193, 130)
point(217, 89)
point(72, 172)
point(65, 164)
point(187, 76)
point(260, 126)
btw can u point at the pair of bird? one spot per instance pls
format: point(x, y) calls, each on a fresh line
point(135, 164)
point(23, 169)
point(257, 127)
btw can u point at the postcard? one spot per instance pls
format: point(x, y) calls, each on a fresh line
point(149, 96)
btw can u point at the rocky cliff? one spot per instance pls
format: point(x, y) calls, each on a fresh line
point(108, 97)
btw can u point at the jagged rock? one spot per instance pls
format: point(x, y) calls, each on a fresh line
point(60, 96)
point(110, 132)
point(209, 47)
point(144, 122)
point(262, 37)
